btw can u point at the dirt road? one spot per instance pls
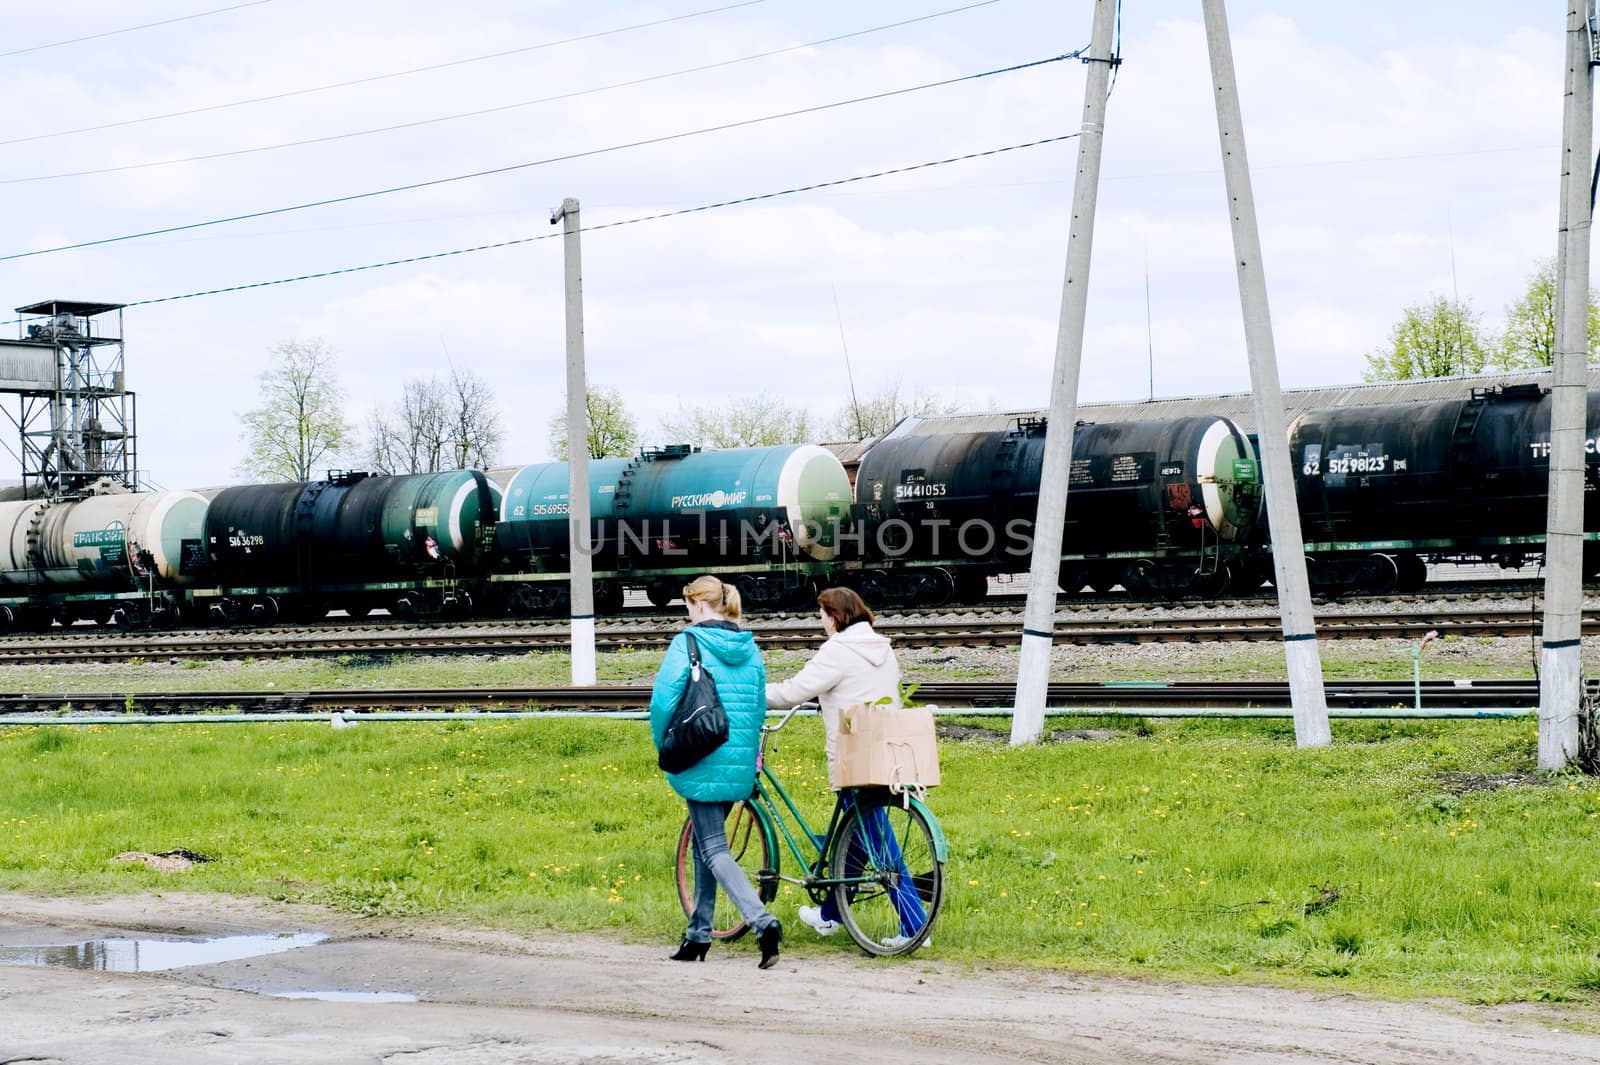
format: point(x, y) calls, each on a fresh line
point(488, 998)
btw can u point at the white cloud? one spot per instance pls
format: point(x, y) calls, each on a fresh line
point(1383, 145)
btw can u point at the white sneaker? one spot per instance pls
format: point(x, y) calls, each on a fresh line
point(896, 942)
point(812, 915)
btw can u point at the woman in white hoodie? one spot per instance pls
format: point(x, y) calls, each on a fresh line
point(856, 666)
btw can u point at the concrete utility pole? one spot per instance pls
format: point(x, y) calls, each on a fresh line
point(577, 453)
point(1288, 547)
point(1561, 669)
point(1044, 570)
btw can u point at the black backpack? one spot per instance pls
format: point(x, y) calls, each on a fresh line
point(698, 725)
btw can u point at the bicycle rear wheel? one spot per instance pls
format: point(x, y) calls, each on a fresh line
point(752, 846)
point(889, 850)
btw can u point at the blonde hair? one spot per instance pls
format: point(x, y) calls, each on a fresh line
point(716, 594)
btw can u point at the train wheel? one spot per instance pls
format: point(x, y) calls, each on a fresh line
point(750, 591)
point(1073, 577)
point(1208, 584)
point(1104, 578)
point(522, 601)
point(972, 586)
point(1379, 574)
point(803, 594)
point(357, 611)
point(935, 587)
point(1242, 578)
point(264, 611)
point(869, 584)
point(7, 619)
point(660, 594)
point(1413, 573)
point(608, 597)
point(1138, 577)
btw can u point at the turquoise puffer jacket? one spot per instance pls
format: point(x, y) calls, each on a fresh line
point(729, 654)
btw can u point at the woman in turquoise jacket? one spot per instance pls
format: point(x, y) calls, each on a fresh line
point(726, 775)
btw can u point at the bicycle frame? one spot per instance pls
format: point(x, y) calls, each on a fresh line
point(875, 899)
point(761, 798)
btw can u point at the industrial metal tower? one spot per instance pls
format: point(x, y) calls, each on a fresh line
point(75, 418)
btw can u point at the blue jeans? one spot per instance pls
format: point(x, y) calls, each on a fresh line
point(714, 866)
point(885, 851)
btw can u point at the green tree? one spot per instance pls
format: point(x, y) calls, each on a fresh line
point(300, 424)
point(877, 414)
point(1529, 340)
point(1437, 339)
point(751, 421)
point(613, 432)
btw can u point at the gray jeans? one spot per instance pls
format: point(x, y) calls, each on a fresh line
point(713, 865)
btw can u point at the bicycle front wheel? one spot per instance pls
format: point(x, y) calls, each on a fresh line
point(752, 846)
point(893, 879)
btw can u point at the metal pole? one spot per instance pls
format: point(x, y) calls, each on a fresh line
point(1044, 570)
point(582, 561)
point(1561, 669)
point(1288, 549)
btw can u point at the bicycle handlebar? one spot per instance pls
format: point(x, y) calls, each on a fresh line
point(793, 710)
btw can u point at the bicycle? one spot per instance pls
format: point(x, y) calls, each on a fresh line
point(875, 838)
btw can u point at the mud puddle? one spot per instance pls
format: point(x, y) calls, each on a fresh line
point(347, 996)
point(124, 955)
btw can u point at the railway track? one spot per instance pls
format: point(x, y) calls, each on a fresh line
point(1347, 698)
point(969, 631)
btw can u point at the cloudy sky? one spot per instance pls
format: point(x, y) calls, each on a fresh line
point(1397, 154)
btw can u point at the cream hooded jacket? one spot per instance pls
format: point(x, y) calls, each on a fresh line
point(854, 666)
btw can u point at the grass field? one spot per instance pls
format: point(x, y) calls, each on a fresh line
point(1419, 857)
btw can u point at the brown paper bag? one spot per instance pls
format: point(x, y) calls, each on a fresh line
point(887, 745)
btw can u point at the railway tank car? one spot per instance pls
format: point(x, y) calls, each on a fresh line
point(414, 544)
point(1157, 506)
point(767, 519)
point(115, 555)
point(1384, 490)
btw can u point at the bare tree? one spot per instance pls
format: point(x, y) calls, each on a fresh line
point(877, 414)
point(437, 425)
point(300, 424)
point(475, 432)
point(752, 421)
point(613, 432)
point(384, 451)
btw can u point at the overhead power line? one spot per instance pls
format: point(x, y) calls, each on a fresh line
point(376, 77)
point(610, 225)
point(130, 29)
point(665, 138)
point(490, 110)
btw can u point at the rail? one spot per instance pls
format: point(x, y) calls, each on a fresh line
point(1349, 699)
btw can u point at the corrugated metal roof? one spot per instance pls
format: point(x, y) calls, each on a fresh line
point(848, 452)
point(1239, 405)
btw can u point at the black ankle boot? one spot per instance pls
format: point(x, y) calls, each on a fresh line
point(769, 939)
point(689, 950)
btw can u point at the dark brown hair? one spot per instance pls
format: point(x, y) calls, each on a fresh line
point(845, 607)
